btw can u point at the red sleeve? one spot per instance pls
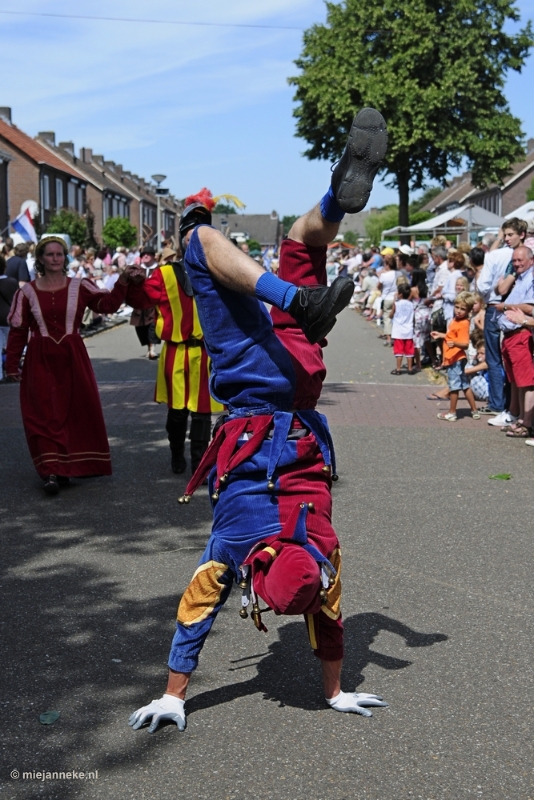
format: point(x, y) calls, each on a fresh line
point(146, 294)
point(18, 318)
point(100, 300)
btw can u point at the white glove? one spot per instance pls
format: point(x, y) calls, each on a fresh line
point(167, 707)
point(356, 702)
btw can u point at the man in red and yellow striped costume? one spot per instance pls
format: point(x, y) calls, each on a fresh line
point(184, 365)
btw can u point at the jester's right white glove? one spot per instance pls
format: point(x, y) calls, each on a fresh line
point(356, 702)
point(167, 707)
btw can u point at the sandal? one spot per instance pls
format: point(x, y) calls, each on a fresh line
point(447, 417)
point(520, 432)
point(413, 371)
point(396, 372)
point(435, 396)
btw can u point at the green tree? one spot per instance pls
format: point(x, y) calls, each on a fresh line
point(253, 245)
point(288, 221)
point(224, 208)
point(119, 232)
point(71, 223)
point(435, 70)
point(349, 237)
point(379, 221)
point(530, 192)
point(418, 203)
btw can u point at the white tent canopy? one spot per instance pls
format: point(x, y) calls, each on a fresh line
point(457, 220)
point(526, 212)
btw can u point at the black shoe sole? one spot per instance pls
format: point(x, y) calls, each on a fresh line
point(341, 292)
point(366, 147)
point(51, 488)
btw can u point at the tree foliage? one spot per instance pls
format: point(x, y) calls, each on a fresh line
point(530, 192)
point(71, 223)
point(388, 217)
point(224, 208)
point(288, 221)
point(119, 232)
point(381, 220)
point(435, 70)
point(350, 237)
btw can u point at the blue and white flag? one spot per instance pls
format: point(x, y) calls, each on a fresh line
point(23, 225)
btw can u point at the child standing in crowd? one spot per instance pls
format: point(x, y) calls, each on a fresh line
point(477, 373)
point(455, 344)
point(402, 329)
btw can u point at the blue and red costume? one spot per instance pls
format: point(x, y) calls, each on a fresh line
point(272, 456)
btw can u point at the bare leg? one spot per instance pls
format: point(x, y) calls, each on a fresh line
point(470, 397)
point(409, 361)
point(399, 363)
point(529, 407)
point(331, 678)
point(521, 398)
point(514, 402)
point(178, 682)
point(237, 271)
point(313, 229)
point(227, 263)
point(453, 399)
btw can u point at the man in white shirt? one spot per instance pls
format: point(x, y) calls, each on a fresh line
point(495, 266)
point(439, 257)
point(354, 262)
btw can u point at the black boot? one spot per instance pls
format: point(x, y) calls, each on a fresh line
point(315, 307)
point(200, 433)
point(176, 428)
point(353, 175)
point(51, 485)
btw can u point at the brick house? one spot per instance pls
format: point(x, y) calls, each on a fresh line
point(30, 172)
point(267, 229)
point(116, 192)
point(501, 200)
point(55, 178)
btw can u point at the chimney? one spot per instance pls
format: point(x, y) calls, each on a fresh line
point(530, 143)
point(5, 114)
point(47, 136)
point(68, 147)
point(98, 160)
point(86, 155)
point(110, 165)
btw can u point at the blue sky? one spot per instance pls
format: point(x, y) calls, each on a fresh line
point(206, 106)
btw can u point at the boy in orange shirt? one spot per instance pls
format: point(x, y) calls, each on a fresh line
point(456, 342)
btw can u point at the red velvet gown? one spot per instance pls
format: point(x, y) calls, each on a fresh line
point(59, 399)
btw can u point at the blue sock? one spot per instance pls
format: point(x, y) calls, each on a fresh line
point(329, 207)
point(275, 291)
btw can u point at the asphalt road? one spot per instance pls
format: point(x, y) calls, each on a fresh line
point(437, 605)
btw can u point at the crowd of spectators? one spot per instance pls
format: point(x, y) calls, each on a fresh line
point(465, 311)
point(102, 266)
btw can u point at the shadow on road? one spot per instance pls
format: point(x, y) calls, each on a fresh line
point(289, 675)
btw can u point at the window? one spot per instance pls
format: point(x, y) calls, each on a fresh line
point(80, 200)
point(59, 193)
point(71, 195)
point(46, 192)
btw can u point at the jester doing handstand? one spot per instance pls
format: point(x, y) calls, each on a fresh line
point(271, 462)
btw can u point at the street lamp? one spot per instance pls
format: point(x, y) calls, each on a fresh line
point(159, 193)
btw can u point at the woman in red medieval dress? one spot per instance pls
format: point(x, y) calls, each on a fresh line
point(59, 399)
